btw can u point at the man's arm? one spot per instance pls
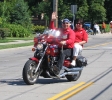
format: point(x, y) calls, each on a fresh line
point(53, 17)
point(71, 38)
point(51, 26)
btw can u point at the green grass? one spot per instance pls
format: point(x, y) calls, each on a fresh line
point(12, 39)
point(16, 45)
point(6, 40)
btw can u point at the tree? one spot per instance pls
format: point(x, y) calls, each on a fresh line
point(41, 8)
point(64, 10)
point(20, 14)
point(90, 10)
point(32, 3)
point(4, 11)
point(87, 9)
point(46, 7)
point(82, 10)
point(108, 7)
point(97, 12)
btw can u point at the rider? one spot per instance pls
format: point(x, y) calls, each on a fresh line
point(67, 42)
point(80, 39)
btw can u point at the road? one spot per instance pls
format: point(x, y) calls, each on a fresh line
point(95, 82)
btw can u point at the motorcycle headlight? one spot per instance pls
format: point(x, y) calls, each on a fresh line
point(39, 46)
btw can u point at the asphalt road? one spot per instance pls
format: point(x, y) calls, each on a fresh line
point(95, 82)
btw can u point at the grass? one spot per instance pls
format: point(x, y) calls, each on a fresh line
point(12, 39)
point(6, 40)
point(15, 45)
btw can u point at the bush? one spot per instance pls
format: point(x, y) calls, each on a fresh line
point(17, 30)
point(38, 28)
point(107, 28)
point(4, 32)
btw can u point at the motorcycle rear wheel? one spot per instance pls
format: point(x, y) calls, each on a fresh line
point(73, 77)
point(29, 76)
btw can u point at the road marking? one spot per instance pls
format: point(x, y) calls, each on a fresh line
point(66, 91)
point(76, 91)
point(97, 45)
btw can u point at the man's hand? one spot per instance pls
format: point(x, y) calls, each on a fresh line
point(53, 16)
point(63, 42)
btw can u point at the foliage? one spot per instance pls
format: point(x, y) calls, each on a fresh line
point(17, 30)
point(82, 13)
point(20, 14)
point(17, 11)
point(97, 12)
point(38, 28)
point(4, 11)
point(90, 10)
point(33, 4)
point(4, 32)
point(108, 7)
point(1, 22)
point(64, 10)
point(83, 10)
point(41, 8)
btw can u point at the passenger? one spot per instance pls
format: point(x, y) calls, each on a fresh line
point(81, 37)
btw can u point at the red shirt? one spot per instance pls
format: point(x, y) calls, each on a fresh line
point(81, 35)
point(67, 33)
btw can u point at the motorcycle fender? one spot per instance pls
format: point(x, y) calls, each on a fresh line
point(34, 59)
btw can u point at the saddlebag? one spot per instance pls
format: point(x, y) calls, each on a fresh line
point(81, 61)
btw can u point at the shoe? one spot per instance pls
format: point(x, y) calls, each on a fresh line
point(73, 63)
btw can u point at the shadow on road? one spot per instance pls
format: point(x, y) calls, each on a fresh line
point(39, 81)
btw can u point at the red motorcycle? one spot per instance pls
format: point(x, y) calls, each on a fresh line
point(45, 58)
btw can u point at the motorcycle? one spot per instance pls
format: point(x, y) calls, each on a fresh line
point(46, 55)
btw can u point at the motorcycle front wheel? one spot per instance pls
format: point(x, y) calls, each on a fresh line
point(29, 76)
point(73, 77)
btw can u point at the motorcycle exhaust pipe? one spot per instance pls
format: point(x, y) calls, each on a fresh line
point(73, 69)
point(63, 74)
point(54, 77)
point(68, 73)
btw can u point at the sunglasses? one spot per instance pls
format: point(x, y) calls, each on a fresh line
point(65, 23)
